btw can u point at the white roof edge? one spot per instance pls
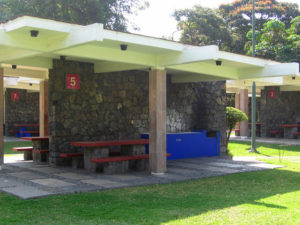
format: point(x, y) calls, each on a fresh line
point(39, 23)
point(142, 40)
point(245, 59)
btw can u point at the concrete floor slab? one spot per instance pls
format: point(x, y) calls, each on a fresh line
point(222, 164)
point(51, 182)
point(26, 192)
point(6, 183)
point(31, 180)
point(124, 177)
point(103, 183)
point(27, 175)
point(73, 176)
point(48, 169)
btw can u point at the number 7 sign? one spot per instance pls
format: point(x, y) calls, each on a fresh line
point(73, 81)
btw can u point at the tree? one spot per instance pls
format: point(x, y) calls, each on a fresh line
point(233, 116)
point(203, 26)
point(109, 12)
point(276, 42)
point(238, 17)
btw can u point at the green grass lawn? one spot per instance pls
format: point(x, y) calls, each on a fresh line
point(9, 145)
point(240, 148)
point(262, 197)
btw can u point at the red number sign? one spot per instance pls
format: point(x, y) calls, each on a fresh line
point(15, 96)
point(272, 94)
point(73, 81)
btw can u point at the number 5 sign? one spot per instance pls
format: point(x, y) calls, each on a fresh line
point(73, 81)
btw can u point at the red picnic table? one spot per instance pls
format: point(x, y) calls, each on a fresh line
point(40, 151)
point(290, 130)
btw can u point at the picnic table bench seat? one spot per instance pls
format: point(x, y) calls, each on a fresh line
point(27, 151)
point(22, 149)
point(141, 162)
point(275, 131)
point(71, 155)
point(121, 158)
point(42, 151)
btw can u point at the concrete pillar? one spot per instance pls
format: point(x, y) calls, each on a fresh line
point(1, 119)
point(157, 119)
point(237, 106)
point(237, 101)
point(244, 107)
point(44, 109)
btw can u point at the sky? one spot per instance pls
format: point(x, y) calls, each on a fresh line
point(157, 20)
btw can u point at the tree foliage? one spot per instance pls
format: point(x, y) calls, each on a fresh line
point(276, 42)
point(109, 12)
point(238, 16)
point(203, 26)
point(233, 116)
point(228, 26)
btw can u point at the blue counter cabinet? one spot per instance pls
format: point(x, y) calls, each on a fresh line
point(191, 144)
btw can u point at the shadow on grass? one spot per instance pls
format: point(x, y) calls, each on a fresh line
point(154, 204)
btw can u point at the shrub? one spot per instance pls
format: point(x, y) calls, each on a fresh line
point(233, 116)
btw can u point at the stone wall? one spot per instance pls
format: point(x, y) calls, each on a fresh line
point(115, 106)
point(25, 110)
point(284, 108)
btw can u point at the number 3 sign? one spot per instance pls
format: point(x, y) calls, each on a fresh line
point(73, 81)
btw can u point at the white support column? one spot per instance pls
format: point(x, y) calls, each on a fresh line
point(244, 107)
point(1, 119)
point(157, 119)
point(44, 109)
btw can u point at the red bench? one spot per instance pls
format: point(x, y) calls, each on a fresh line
point(275, 132)
point(297, 133)
point(71, 155)
point(42, 151)
point(27, 151)
point(122, 158)
point(22, 149)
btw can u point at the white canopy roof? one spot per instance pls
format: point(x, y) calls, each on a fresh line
point(91, 43)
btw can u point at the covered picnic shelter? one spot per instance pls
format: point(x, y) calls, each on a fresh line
point(278, 104)
point(80, 69)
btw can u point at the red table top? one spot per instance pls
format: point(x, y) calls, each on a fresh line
point(289, 125)
point(109, 143)
point(35, 138)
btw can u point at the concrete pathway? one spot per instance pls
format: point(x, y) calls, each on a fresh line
point(280, 141)
point(32, 180)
